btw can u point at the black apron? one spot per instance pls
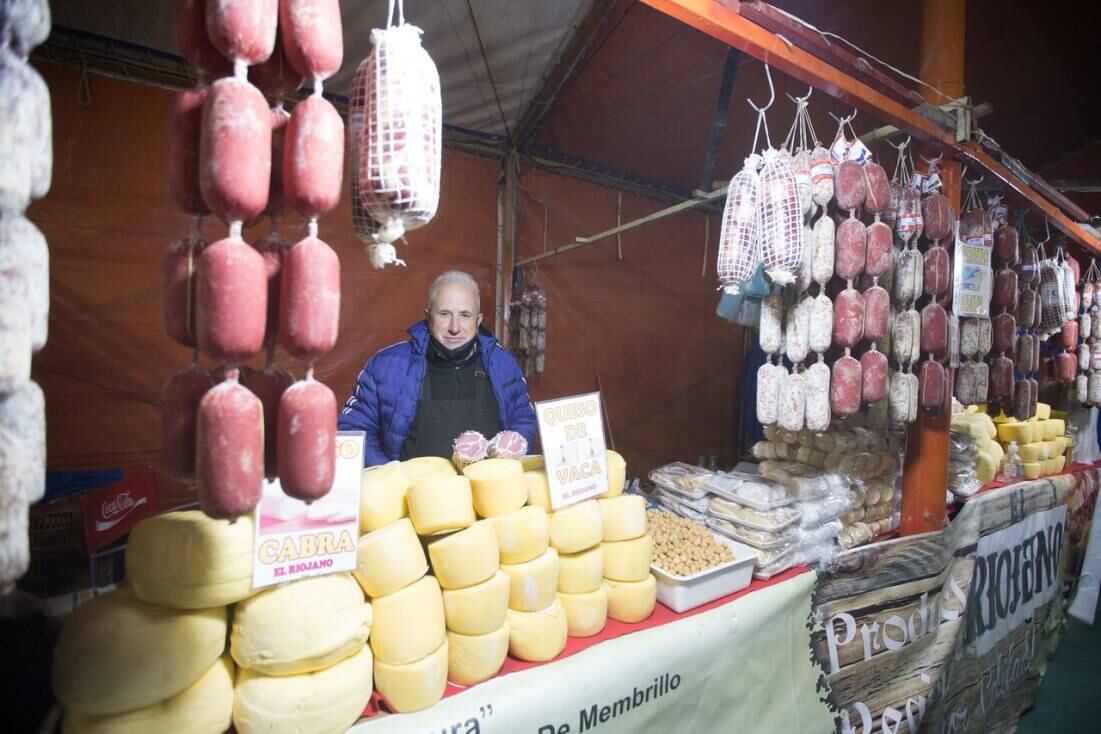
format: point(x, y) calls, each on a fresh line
point(439, 422)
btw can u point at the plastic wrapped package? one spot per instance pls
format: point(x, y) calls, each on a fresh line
point(683, 479)
point(749, 490)
point(768, 521)
point(816, 512)
point(856, 534)
point(827, 532)
point(771, 563)
point(699, 505)
point(758, 539)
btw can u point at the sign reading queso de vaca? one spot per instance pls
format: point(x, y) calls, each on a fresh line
point(571, 430)
point(295, 540)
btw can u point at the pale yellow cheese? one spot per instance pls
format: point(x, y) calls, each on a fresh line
point(425, 466)
point(532, 461)
point(631, 601)
point(537, 636)
point(1043, 411)
point(586, 614)
point(580, 573)
point(576, 527)
point(472, 659)
point(186, 560)
point(1060, 463)
point(203, 708)
point(535, 482)
point(408, 624)
point(467, 557)
point(628, 560)
point(985, 467)
point(300, 627)
point(532, 585)
point(522, 535)
point(323, 702)
point(498, 486)
point(413, 686)
point(480, 609)
point(117, 653)
point(624, 517)
point(617, 475)
point(390, 558)
point(1053, 428)
point(1032, 470)
point(439, 503)
point(1015, 431)
point(382, 496)
point(1032, 452)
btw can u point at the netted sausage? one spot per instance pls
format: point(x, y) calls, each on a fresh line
point(781, 219)
point(738, 244)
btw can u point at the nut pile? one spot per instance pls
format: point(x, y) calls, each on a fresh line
point(682, 547)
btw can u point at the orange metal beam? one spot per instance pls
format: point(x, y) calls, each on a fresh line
point(725, 24)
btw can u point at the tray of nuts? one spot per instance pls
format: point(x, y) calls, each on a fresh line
point(694, 566)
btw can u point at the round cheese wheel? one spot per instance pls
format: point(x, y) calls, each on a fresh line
point(532, 585)
point(522, 535)
point(300, 627)
point(479, 609)
point(382, 495)
point(628, 560)
point(582, 572)
point(465, 558)
point(498, 486)
point(586, 614)
point(617, 475)
point(474, 658)
point(537, 636)
point(538, 490)
point(438, 503)
point(413, 686)
point(576, 527)
point(186, 560)
point(409, 623)
point(389, 559)
point(624, 517)
point(631, 601)
point(117, 653)
point(329, 700)
point(425, 466)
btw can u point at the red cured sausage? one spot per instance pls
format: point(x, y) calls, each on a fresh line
point(1005, 246)
point(934, 330)
point(878, 189)
point(1029, 267)
point(235, 152)
point(309, 299)
point(277, 201)
point(276, 78)
point(1005, 332)
point(879, 252)
point(273, 248)
point(967, 383)
point(1022, 400)
point(312, 36)
point(932, 387)
point(313, 161)
point(1066, 367)
point(848, 318)
point(268, 385)
point(1001, 378)
point(873, 375)
point(937, 216)
point(846, 386)
point(937, 270)
point(179, 288)
point(1004, 294)
point(231, 300)
point(1069, 335)
point(1033, 395)
point(185, 125)
point(229, 456)
point(1027, 303)
point(877, 313)
point(179, 408)
point(850, 187)
point(243, 30)
point(306, 447)
point(194, 42)
point(1026, 348)
point(851, 252)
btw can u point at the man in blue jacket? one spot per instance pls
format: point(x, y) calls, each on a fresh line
point(413, 398)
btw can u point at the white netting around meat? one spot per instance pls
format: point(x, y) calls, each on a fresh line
point(739, 246)
point(781, 218)
point(366, 228)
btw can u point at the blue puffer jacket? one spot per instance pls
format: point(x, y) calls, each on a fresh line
point(384, 402)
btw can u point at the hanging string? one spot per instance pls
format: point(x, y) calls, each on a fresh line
point(761, 121)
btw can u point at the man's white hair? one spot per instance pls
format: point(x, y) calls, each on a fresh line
point(455, 277)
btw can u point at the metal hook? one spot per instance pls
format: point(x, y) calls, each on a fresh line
point(802, 100)
point(901, 146)
point(771, 93)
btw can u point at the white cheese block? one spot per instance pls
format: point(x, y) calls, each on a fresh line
point(382, 495)
point(413, 686)
point(300, 627)
point(576, 527)
point(477, 610)
point(537, 636)
point(186, 560)
point(425, 466)
point(617, 475)
point(439, 503)
point(535, 482)
point(474, 658)
point(467, 557)
point(631, 601)
point(203, 708)
point(522, 535)
point(624, 517)
point(532, 585)
point(389, 559)
point(586, 614)
point(117, 653)
point(580, 573)
point(498, 486)
point(408, 624)
point(628, 560)
point(323, 702)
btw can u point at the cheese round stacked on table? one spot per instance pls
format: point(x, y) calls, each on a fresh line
point(628, 550)
point(301, 627)
point(576, 527)
point(532, 585)
point(465, 558)
point(522, 535)
point(425, 466)
point(383, 494)
point(497, 485)
point(628, 560)
point(631, 601)
point(472, 659)
point(624, 517)
point(389, 559)
point(439, 503)
point(413, 686)
point(408, 638)
point(537, 488)
point(582, 572)
point(617, 475)
point(586, 613)
point(537, 636)
point(186, 560)
point(480, 609)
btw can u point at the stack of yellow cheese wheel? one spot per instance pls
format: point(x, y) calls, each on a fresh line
point(1041, 441)
point(628, 549)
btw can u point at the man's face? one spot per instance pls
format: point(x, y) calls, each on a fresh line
point(455, 316)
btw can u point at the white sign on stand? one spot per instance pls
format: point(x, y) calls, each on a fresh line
point(572, 433)
point(294, 539)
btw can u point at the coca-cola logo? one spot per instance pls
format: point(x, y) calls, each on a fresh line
point(114, 510)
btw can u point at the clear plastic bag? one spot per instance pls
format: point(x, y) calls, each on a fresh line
point(758, 539)
point(822, 534)
point(830, 507)
point(748, 489)
point(768, 521)
point(684, 479)
point(771, 563)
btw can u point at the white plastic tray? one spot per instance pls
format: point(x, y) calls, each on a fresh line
point(681, 593)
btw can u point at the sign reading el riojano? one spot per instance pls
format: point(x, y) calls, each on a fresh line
point(572, 433)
